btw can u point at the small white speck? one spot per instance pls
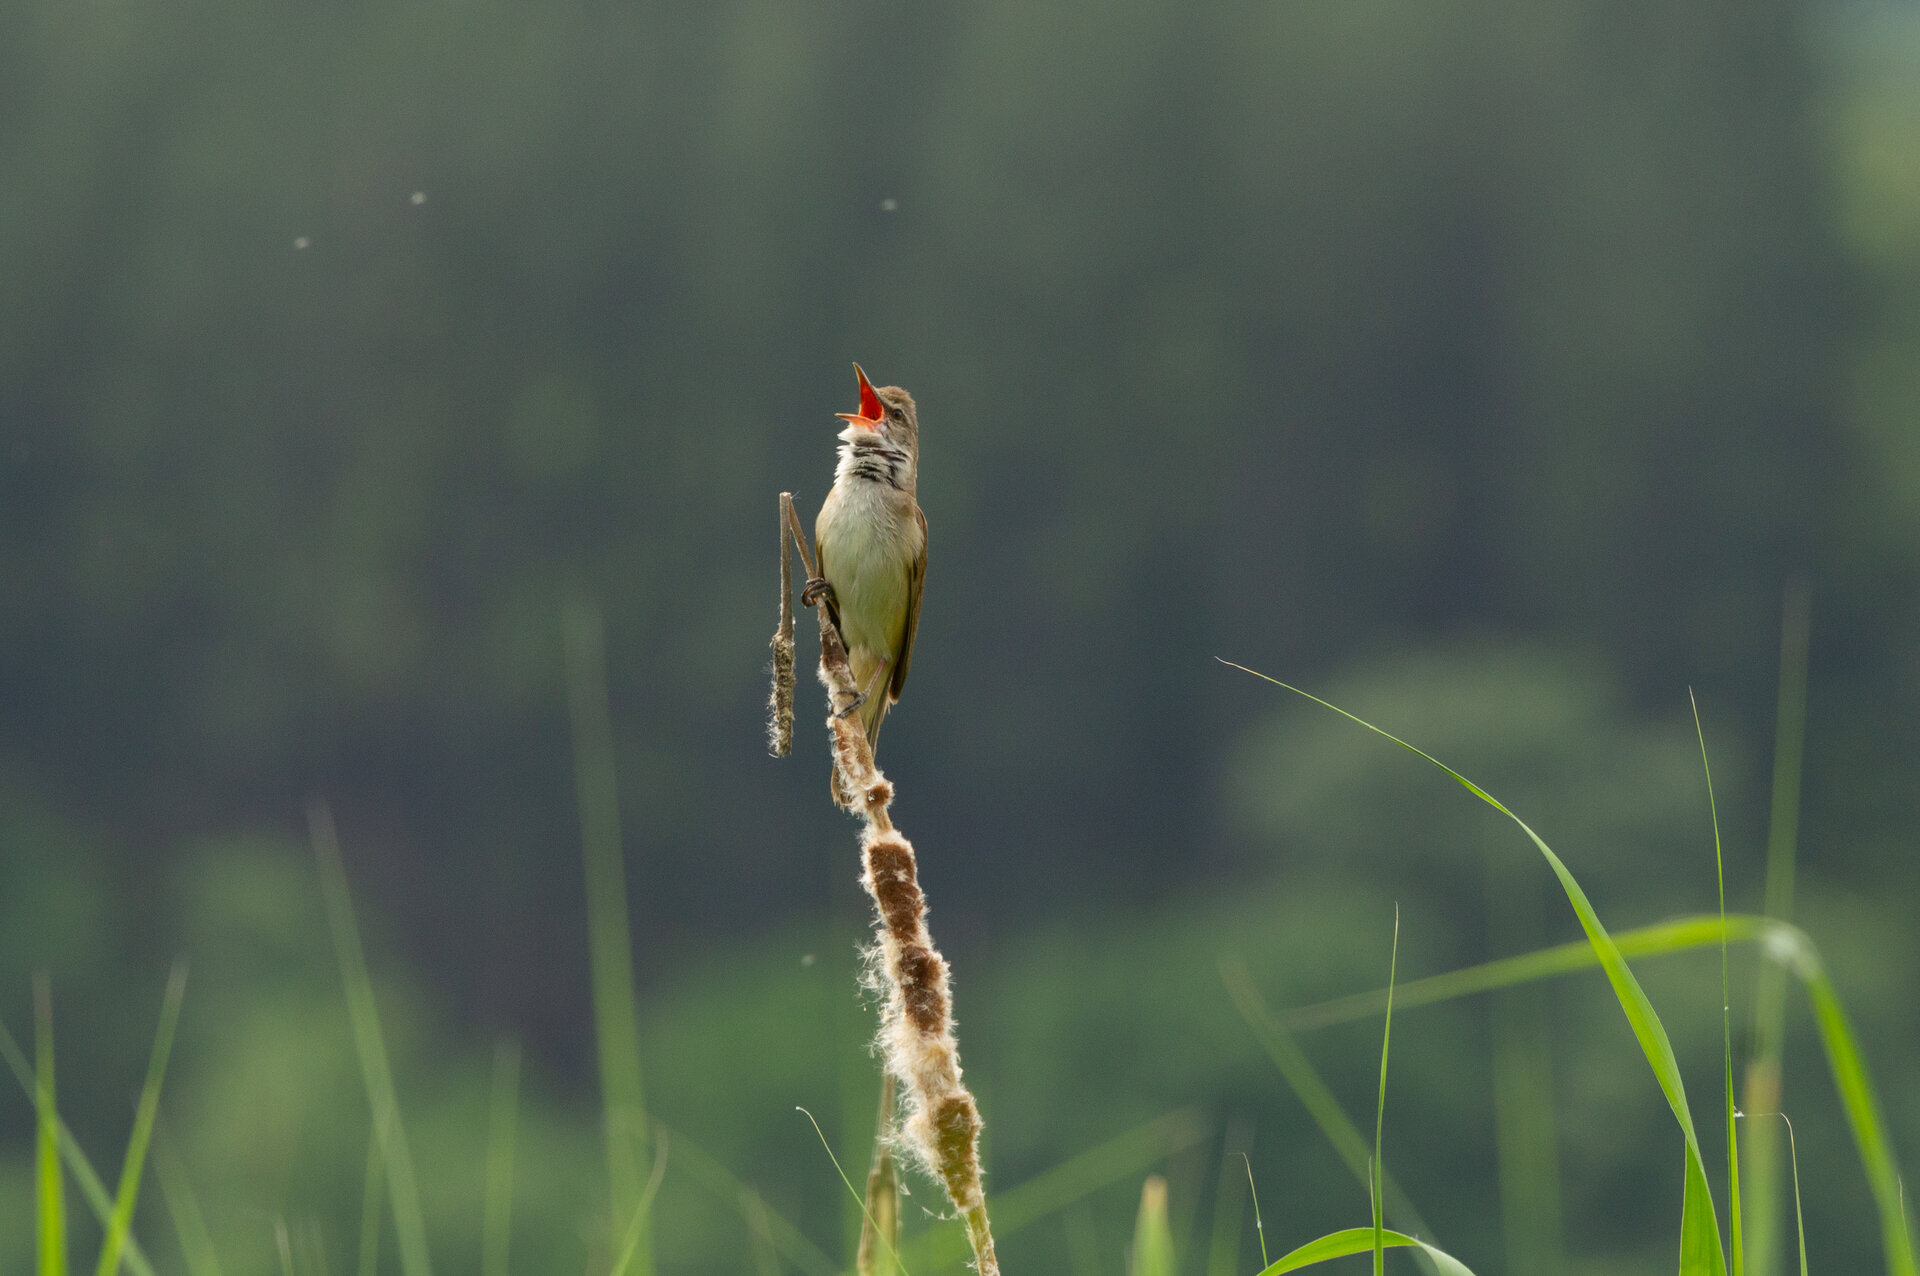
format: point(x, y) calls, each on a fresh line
point(302, 243)
point(419, 197)
point(889, 205)
point(807, 960)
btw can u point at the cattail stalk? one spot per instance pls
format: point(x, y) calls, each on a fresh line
point(942, 1125)
point(780, 699)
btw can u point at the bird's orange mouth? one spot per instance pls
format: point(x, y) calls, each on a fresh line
point(872, 411)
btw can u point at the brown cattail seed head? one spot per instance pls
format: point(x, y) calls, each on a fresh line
point(780, 700)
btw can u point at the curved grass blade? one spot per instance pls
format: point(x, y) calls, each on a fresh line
point(1661, 939)
point(1701, 1253)
point(1862, 1107)
point(1726, 1005)
point(1380, 1112)
point(1359, 1240)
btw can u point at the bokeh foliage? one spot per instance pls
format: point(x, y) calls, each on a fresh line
point(1490, 364)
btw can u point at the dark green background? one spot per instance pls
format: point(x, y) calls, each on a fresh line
point(1489, 366)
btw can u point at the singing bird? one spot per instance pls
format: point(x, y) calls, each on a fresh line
point(872, 541)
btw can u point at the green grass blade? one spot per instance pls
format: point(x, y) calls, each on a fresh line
point(51, 1214)
point(1763, 1080)
point(1259, 1225)
point(1337, 1127)
point(502, 1115)
point(610, 946)
point(1380, 1111)
point(1359, 1240)
point(1661, 939)
point(1726, 1005)
point(376, 1072)
point(1862, 1107)
point(1697, 1215)
point(189, 1224)
point(1152, 1236)
point(121, 1226)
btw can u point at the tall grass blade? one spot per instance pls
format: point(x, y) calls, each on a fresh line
point(403, 1189)
point(1259, 1227)
point(1726, 1005)
point(1359, 1240)
point(51, 1213)
point(1152, 1237)
point(121, 1226)
point(1857, 1097)
point(189, 1224)
point(1701, 1252)
point(502, 1113)
point(1380, 1111)
point(1763, 1079)
point(609, 944)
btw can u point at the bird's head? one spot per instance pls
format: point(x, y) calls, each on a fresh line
point(887, 411)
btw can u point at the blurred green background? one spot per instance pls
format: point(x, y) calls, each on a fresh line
point(1488, 366)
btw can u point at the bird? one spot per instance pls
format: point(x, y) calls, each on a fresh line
point(871, 539)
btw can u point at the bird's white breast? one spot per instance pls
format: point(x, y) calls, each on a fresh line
point(869, 541)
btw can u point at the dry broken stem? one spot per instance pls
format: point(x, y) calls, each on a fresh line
point(942, 1125)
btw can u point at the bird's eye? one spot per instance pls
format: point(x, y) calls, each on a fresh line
point(894, 413)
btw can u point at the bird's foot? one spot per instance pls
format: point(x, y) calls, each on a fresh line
point(855, 706)
point(816, 588)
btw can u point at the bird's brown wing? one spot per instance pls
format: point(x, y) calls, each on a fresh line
point(916, 577)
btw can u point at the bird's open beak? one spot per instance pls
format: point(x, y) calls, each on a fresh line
point(872, 412)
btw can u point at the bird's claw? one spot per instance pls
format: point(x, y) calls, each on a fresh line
point(816, 588)
point(854, 707)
